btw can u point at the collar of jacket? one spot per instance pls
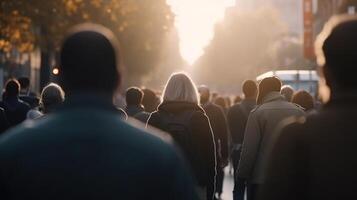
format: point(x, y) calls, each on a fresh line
point(179, 106)
point(88, 101)
point(273, 96)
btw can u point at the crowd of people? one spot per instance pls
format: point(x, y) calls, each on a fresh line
point(74, 141)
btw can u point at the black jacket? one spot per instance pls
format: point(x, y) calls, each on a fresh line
point(4, 124)
point(86, 152)
point(237, 119)
point(137, 112)
point(202, 158)
point(218, 123)
point(132, 110)
point(15, 110)
point(316, 158)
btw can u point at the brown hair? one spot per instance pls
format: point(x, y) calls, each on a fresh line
point(303, 99)
point(266, 86)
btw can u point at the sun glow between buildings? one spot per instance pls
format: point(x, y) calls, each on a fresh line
point(195, 20)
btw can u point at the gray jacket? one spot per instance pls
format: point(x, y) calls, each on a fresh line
point(261, 125)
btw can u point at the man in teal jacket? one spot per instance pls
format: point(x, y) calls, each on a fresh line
point(85, 151)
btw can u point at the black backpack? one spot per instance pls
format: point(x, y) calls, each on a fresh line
point(178, 125)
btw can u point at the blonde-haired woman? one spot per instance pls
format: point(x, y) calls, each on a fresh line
point(180, 115)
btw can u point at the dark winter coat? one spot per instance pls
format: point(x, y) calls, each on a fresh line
point(84, 151)
point(201, 154)
point(15, 110)
point(316, 158)
point(237, 119)
point(219, 125)
point(4, 124)
point(137, 112)
point(32, 101)
point(132, 110)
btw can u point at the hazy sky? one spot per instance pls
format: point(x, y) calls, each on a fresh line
point(195, 21)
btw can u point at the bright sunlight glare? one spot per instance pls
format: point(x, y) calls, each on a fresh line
point(195, 20)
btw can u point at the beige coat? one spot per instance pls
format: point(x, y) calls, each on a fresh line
point(261, 126)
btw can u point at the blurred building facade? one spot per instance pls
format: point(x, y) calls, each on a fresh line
point(289, 10)
point(327, 8)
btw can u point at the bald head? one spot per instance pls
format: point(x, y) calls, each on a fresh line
point(89, 60)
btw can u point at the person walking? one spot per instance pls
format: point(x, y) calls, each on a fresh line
point(237, 120)
point(314, 157)
point(180, 115)
point(15, 109)
point(83, 150)
point(134, 107)
point(219, 125)
point(272, 109)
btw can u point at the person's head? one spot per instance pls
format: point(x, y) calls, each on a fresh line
point(249, 89)
point(228, 101)
point(237, 99)
point(221, 102)
point(204, 94)
point(214, 95)
point(303, 99)
point(180, 87)
point(266, 86)
point(12, 88)
point(24, 83)
point(90, 61)
point(336, 50)
point(150, 100)
point(287, 91)
point(134, 96)
point(51, 97)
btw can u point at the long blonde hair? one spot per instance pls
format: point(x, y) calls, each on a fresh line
point(180, 87)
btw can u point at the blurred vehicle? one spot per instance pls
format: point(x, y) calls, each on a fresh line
point(298, 79)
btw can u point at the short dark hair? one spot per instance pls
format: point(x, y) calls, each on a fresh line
point(12, 88)
point(249, 88)
point(134, 96)
point(266, 86)
point(336, 49)
point(150, 100)
point(24, 82)
point(303, 99)
point(90, 60)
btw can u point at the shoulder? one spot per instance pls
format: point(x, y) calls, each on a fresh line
point(122, 114)
point(257, 108)
point(24, 105)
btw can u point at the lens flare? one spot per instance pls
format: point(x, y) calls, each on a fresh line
point(195, 20)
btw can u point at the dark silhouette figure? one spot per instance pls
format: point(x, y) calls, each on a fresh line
point(221, 101)
point(315, 158)
point(52, 97)
point(150, 100)
point(15, 109)
point(260, 129)
point(84, 151)
point(219, 126)
point(181, 116)
point(237, 99)
point(304, 99)
point(25, 94)
point(4, 124)
point(134, 107)
point(237, 120)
